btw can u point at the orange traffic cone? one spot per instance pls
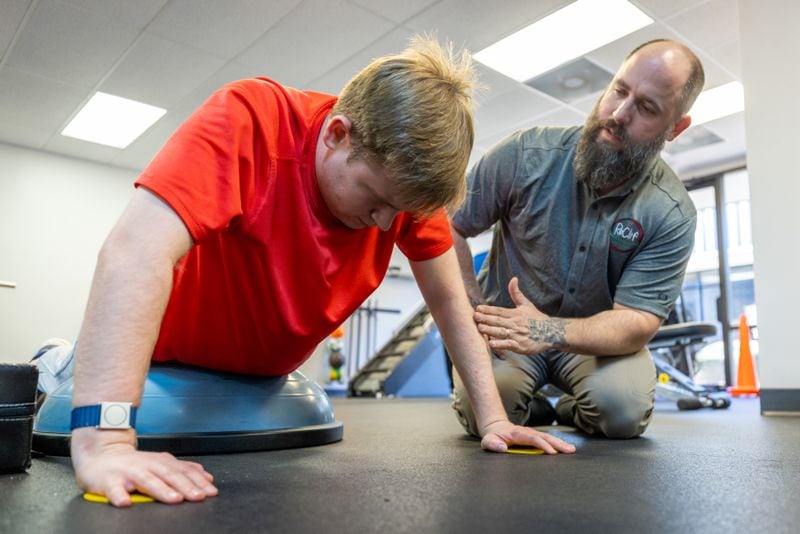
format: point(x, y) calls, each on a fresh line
point(746, 379)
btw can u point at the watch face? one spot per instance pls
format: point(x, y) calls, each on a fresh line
point(115, 415)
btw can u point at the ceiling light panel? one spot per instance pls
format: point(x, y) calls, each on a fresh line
point(112, 120)
point(568, 33)
point(717, 103)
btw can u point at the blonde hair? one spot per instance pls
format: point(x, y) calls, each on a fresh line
point(412, 114)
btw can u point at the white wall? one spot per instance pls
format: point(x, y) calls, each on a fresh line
point(770, 41)
point(54, 215)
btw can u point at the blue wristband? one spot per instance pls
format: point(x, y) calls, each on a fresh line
point(106, 415)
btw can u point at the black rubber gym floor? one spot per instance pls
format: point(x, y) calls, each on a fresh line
point(405, 466)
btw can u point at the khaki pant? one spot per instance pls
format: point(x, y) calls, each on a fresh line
point(609, 395)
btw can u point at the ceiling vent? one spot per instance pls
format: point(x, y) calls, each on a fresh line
point(694, 137)
point(571, 81)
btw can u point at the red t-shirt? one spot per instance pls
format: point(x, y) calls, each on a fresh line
point(272, 271)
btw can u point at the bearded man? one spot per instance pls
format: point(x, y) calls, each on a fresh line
point(592, 235)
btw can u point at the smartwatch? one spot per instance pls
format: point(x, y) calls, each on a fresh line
point(106, 415)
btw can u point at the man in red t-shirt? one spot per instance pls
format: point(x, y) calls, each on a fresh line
point(264, 222)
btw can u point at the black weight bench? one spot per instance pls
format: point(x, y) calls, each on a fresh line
point(676, 384)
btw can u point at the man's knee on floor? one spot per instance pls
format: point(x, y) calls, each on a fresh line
point(617, 414)
point(623, 427)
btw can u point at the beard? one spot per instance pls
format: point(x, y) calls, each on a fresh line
point(603, 167)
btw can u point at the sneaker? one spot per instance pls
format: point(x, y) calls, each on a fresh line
point(55, 360)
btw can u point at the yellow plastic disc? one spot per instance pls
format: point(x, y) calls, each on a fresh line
point(135, 498)
point(663, 378)
point(519, 449)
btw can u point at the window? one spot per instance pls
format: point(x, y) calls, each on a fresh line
point(702, 288)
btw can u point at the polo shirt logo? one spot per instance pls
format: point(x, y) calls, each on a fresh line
point(626, 234)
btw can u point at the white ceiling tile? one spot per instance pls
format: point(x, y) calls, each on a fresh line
point(334, 81)
point(138, 12)
point(587, 103)
point(11, 14)
point(28, 101)
point(229, 73)
point(394, 10)
point(560, 117)
point(708, 24)
point(509, 110)
point(220, 28)
point(160, 72)
point(312, 44)
point(715, 74)
point(493, 83)
point(70, 44)
point(664, 8)
point(478, 23)
point(303, 46)
point(729, 56)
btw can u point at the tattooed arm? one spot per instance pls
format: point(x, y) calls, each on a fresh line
point(526, 330)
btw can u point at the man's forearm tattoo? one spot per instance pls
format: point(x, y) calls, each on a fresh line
point(552, 331)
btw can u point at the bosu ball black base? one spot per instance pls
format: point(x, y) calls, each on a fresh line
point(190, 411)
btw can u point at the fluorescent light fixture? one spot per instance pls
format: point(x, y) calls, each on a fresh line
point(568, 33)
point(718, 102)
point(112, 120)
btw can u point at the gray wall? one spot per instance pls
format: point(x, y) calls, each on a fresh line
point(770, 41)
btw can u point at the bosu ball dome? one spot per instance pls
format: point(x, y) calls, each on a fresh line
point(189, 411)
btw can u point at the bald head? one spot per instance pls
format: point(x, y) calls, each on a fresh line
point(682, 61)
point(644, 106)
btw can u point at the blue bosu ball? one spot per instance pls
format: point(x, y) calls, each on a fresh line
point(188, 411)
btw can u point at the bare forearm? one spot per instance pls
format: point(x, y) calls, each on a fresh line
point(447, 301)
point(472, 360)
point(466, 266)
point(129, 293)
point(120, 327)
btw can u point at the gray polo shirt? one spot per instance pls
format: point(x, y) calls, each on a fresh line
point(576, 253)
